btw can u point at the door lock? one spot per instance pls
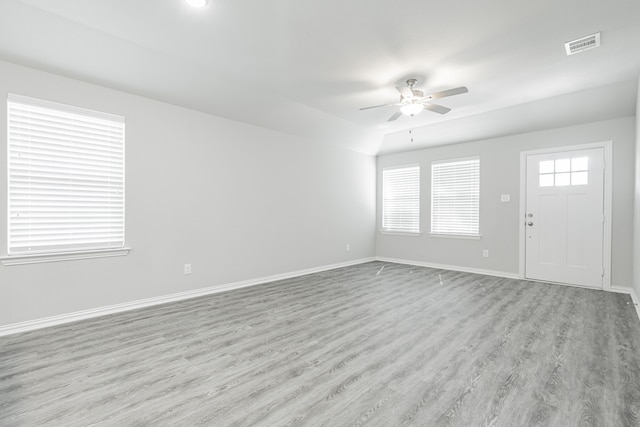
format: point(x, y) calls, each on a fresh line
point(530, 223)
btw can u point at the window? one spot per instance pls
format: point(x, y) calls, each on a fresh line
point(401, 199)
point(562, 172)
point(65, 178)
point(455, 197)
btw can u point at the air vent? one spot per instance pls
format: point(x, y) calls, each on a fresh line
point(582, 44)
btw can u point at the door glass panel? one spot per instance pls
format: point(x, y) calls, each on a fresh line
point(562, 172)
point(546, 180)
point(563, 165)
point(546, 166)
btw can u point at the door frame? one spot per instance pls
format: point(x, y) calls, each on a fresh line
point(607, 147)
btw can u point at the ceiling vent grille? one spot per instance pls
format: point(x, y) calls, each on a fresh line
point(582, 44)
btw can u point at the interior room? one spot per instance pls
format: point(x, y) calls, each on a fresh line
point(319, 213)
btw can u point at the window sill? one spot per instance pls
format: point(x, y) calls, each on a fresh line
point(401, 233)
point(457, 236)
point(62, 256)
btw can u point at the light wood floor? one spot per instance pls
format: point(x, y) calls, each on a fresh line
point(378, 344)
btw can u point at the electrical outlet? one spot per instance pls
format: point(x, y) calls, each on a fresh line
point(348, 247)
point(485, 253)
point(505, 198)
point(187, 269)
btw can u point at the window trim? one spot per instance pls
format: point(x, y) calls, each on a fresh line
point(63, 256)
point(454, 234)
point(401, 233)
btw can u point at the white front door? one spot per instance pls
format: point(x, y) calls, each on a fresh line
point(564, 217)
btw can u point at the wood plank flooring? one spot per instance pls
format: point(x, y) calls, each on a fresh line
point(375, 344)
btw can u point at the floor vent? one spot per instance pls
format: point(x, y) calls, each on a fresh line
point(582, 44)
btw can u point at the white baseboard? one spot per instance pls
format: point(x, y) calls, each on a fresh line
point(46, 322)
point(632, 293)
point(148, 302)
point(616, 289)
point(451, 267)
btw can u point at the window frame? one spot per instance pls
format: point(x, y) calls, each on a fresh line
point(414, 230)
point(456, 232)
point(56, 195)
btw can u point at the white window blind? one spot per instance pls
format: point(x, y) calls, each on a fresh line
point(401, 199)
point(65, 178)
point(455, 197)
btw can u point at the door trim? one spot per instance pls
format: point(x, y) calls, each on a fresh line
point(607, 147)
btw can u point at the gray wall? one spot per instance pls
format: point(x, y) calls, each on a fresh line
point(500, 174)
point(241, 202)
point(236, 201)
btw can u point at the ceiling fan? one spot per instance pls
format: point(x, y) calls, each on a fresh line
point(413, 101)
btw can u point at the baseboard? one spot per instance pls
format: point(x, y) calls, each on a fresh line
point(631, 292)
point(46, 322)
point(164, 299)
point(451, 267)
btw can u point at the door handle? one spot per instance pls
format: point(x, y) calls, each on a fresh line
point(530, 223)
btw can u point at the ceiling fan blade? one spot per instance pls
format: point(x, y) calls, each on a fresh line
point(405, 91)
point(395, 116)
point(378, 106)
point(450, 92)
point(437, 108)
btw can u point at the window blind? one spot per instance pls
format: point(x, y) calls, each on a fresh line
point(401, 199)
point(65, 178)
point(455, 197)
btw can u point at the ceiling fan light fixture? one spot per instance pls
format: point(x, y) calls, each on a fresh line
point(197, 3)
point(411, 109)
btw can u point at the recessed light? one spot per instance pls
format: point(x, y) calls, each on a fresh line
point(197, 3)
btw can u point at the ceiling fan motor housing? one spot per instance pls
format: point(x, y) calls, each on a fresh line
point(416, 93)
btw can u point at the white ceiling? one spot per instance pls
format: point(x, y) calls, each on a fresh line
point(306, 67)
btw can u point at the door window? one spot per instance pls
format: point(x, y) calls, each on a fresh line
point(563, 172)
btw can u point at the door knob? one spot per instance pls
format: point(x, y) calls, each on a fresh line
point(530, 223)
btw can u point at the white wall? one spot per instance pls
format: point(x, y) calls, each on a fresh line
point(500, 174)
point(236, 201)
point(636, 204)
